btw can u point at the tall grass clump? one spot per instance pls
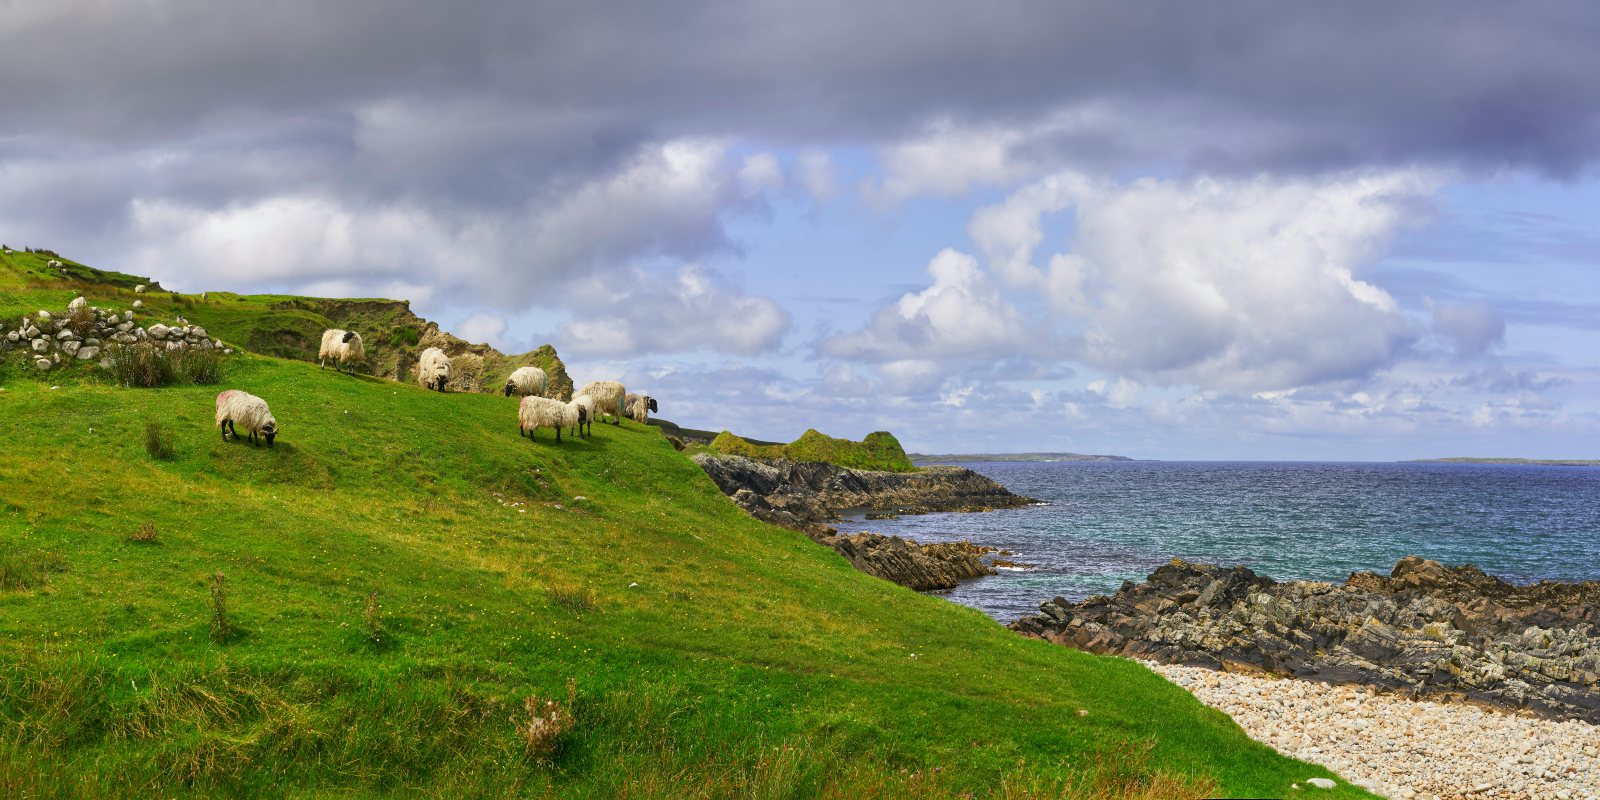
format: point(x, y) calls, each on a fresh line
point(21, 570)
point(146, 365)
point(544, 722)
point(158, 441)
point(145, 535)
point(221, 628)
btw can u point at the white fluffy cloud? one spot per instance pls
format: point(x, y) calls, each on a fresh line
point(1220, 284)
point(961, 315)
point(645, 312)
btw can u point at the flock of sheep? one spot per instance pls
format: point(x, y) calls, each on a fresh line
point(345, 349)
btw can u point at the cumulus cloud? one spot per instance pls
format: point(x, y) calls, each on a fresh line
point(1471, 328)
point(1222, 284)
point(814, 172)
point(643, 312)
point(761, 173)
point(961, 315)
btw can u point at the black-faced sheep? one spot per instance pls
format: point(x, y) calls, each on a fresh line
point(527, 381)
point(433, 369)
point(639, 407)
point(236, 408)
point(344, 347)
point(585, 421)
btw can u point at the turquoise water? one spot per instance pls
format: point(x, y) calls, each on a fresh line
point(1116, 521)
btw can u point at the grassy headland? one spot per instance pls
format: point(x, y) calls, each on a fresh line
point(877, 451)
point(406, 586)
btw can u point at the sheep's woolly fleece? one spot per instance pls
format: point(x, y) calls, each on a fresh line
point(245, 410)
point(432, 365)
point(608, 397)
point(542, 412)
point(345, 347)
point(528, 381)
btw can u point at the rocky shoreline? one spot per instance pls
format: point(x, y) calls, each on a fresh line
point(1425, 630)
point(808, 497)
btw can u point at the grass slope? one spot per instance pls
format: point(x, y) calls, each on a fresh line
point(712, 655)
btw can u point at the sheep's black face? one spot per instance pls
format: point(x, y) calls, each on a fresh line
point(348, 335)
point(508, 388)
point(650, 402)
point(269, 432)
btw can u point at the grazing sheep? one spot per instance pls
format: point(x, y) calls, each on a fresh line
point(433, 369)
point(639, 407)
point(138, 289)
point(52, 263)
point(77, 304)
point(542, 412)
point(585, 405)
point(608, 399)
point(527, 381)
point(341, 346)
point(241, 408)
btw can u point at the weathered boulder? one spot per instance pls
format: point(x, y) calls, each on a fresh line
point(1426, 629)
point(42, 363)
point(88, 353)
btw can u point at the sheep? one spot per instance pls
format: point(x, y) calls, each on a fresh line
point(542, 412)
point(241, 408)
point(52, 263)
point(639, 406)
point(433, 369)
point(78, 304)
point(138, 289)
point(341, 346)
point(527, 381)
point(585, 405)
point(608, 397)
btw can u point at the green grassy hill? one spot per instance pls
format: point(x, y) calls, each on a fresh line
point(403, 575)
point(878, 451)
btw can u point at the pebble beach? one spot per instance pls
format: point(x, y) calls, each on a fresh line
point(1403, 748)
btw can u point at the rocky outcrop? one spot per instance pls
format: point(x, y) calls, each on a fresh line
point(923, 567)
point(799, 494)
point(807, 496)
point(1426, 629)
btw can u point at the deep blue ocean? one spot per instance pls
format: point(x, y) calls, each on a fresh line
point(1107, 522)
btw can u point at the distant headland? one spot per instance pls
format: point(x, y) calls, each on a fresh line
point(920, 458)
point(1543, 462)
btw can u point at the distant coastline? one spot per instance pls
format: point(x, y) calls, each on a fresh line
point(1542, 462)
point(953, 458)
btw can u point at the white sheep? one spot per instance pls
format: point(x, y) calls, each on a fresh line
point(639, 406)
point(344, 347)
point(138, 289)
point(52, 263)
point(585, 421)
point(527, 381)
point(608, 399)
point(433, 369)
point(542, 412)
point(242, 408)
point(78, 304)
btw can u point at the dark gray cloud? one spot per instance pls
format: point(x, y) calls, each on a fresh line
point(1301, 85)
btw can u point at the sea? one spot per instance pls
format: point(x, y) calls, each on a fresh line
point(1102, 523)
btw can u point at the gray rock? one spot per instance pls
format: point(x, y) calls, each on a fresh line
point(198, 332)
point(41, 345)
point(43, 315)
point(32, 332)
point(88, 353)
point(158, 331)
point(70, 347)
point(42, 363)
point(1425, 630)
point(66, 334)
point(14, 336)
point(91, 342)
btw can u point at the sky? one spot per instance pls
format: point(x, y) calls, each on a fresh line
point(1175, 230)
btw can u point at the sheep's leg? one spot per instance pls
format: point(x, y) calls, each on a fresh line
point(558, 434)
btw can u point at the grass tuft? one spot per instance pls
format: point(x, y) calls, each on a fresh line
point(575, 598)
point(21, 570)
point(221, 628)
point(372, 620)
point(159, 442)
point(145, 535)
point(146, 365)
point(545, 722)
